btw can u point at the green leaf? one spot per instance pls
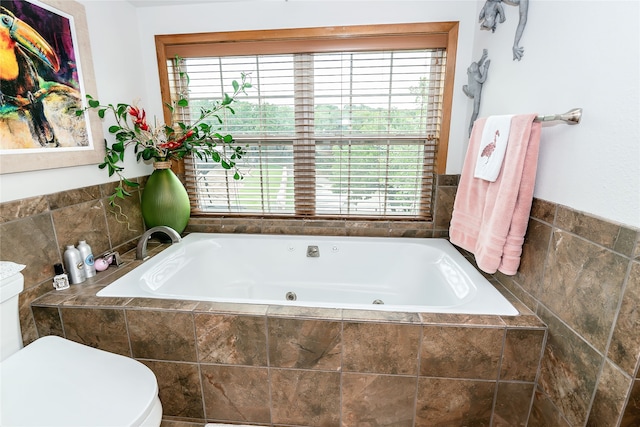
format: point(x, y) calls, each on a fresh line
point(147, 154)
point(101, 113)
point(236, 86)
point(236, 176)
point(118, 146)
point(93, 103)
point(79, 112)
point(215, 156)
point(225, 165)
point(114, 128)
point(130, 183)
point(183, 103)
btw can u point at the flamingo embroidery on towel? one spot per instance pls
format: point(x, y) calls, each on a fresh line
point(490, 147)
point(487, 151)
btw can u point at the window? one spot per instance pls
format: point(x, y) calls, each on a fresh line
point(349, 122)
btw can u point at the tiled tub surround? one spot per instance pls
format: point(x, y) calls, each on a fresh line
point(583, 382)
point(34, 231)
point(581, 275)
point(295, 366)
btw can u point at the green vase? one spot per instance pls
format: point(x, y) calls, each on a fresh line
point(165, 200)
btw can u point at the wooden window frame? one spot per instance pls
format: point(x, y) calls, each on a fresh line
point(301, 40)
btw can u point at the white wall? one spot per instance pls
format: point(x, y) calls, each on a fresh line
point(119, 73)
point(577, 54)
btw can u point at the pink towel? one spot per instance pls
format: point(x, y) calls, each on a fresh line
point(490, 218)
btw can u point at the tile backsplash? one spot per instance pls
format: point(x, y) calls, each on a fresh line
point(581, 275)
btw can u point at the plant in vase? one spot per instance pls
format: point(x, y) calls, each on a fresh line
point(164, 199)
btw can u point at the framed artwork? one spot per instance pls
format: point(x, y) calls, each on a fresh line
point(46, 71)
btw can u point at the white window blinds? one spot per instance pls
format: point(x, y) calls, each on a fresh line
point(328, 134)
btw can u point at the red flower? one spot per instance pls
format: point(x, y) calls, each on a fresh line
point(172, 145)
point(140, 117)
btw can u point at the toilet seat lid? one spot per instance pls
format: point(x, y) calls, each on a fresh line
point(57, 382)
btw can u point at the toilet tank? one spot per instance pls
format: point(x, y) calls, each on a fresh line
point(10, 288)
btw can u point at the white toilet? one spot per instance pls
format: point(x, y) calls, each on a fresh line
point(57, 382)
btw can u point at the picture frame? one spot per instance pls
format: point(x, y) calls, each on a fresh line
point(81, 137)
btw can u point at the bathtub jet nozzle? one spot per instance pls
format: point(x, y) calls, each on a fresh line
point(313, 251)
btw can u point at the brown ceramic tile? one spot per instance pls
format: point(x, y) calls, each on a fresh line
point(448, 402)
point(14, 246)
point(47, 321)
point(164, 304)
point(380, 348)
point(626, 240)
point(624, 349)
point(306, 398)
point(180, 388)
point(89, 299)
point(523, 310)
point(229, 225)
point(459, 352)
point(421, 233)
point(534, 254)
point(447, 180)
point(23, 208)
point(304, 312)
point(100, 328)
point(231, 339)
point(543, 210)
point(631, 415)
point(162, 335)
point(579, 271)
point(445, 197)
point(84, 221)
point(368, 229)
point(377, 400)
point(522, 354)
point(610, 397)
point(461, 319)
point(27, 323)
point(232, 308)
point(589, 227)
point(73, 197)
point(569, 363)
point(124, 219)
point(234, 393)
point(380, 316)
point(522, 295)
point(54, 298)
point(173, 423)
point(544, 413)
point(308, 344)
point(512, 404)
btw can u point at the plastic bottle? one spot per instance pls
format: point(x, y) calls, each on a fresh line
point(74, 265)
point(60, 280)
point(87, 258)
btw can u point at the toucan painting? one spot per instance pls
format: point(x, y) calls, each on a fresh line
point(39, 89)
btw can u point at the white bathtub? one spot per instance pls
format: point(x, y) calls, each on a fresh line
point(398, 274)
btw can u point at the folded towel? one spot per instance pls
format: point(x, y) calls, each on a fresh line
point(493, 146)
point(490, 218)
